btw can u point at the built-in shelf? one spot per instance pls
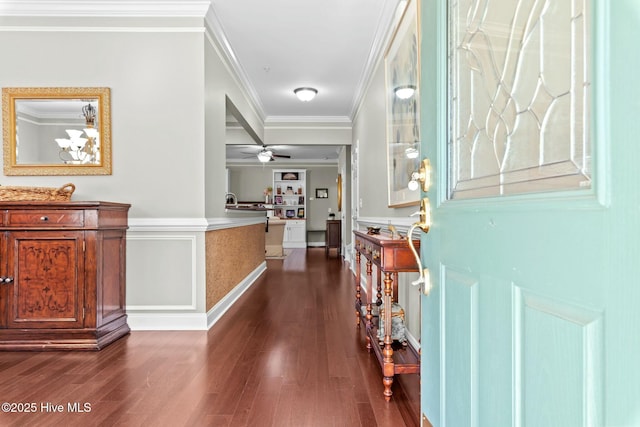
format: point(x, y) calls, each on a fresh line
point(290, 202)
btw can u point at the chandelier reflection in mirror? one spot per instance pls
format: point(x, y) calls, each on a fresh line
point(82, 146)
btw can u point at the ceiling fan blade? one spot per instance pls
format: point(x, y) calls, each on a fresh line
point(283, 156)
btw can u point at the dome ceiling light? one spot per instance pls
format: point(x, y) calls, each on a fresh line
point(305, 94)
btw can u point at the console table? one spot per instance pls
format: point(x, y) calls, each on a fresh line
point(390, 256)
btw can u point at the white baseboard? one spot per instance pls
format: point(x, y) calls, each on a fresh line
point(228, 300)
point(299, 245)
point(167, 321)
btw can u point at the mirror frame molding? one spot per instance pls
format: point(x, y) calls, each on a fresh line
point(12, 94)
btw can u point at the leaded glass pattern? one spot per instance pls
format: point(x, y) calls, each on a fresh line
point(519, 97)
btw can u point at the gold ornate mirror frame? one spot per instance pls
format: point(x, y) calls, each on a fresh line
point(49, 103)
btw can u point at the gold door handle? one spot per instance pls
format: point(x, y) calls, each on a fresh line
point(424, 281)
point(423, 176)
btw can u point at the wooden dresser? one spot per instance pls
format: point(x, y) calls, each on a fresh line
point(62, 275)
point(390, 256)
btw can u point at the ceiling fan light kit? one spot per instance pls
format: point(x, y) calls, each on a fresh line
point(305, 94)
point(265, 156)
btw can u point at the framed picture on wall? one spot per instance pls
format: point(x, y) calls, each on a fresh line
point(322, 193)
point(402, 95)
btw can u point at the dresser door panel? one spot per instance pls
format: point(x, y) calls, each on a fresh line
point(111, 287)
point(48, 272)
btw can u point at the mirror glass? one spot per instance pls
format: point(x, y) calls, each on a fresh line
point(56, 131)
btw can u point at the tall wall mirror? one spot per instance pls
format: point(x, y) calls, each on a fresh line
point(56, 131)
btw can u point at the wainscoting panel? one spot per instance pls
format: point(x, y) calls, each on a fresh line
point(161, 272)
point(459, 311)
point(549, 337)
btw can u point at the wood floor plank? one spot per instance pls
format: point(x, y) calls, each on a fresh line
point(287, 353)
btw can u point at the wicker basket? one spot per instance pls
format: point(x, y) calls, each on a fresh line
point(45, 194)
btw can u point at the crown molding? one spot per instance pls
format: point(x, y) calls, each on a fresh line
point(219, 38)
point(122, 8)
point(275, 120)
point(382, 38)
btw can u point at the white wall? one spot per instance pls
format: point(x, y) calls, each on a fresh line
point(248, 182)
point(318, 209)
point(310, 134)
point(151, 91)
point(220, 85)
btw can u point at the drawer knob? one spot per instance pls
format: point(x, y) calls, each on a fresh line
point(6, 279)
point(44, 218)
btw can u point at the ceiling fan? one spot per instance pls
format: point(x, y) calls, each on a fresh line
point(267, 155)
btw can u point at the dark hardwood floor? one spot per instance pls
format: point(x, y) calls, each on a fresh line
point(287, 353)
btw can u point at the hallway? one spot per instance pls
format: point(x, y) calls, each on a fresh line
point(286, 354)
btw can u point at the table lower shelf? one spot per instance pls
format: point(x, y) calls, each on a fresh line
point(406, 359)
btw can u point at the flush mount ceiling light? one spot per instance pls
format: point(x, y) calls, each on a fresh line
point(405, 92)
point(305, 94)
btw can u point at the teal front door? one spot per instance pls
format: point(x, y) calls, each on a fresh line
point(534, 315)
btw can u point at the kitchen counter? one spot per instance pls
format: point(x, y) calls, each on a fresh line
point(243, 207)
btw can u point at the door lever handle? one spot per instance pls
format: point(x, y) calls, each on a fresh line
point(424, 281)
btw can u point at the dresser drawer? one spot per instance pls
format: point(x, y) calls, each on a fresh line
point(45, 218)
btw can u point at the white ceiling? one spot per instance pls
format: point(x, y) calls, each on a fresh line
point(330, 45)
point(279, 45)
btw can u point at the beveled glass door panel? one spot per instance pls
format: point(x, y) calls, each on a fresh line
point(519, 97)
